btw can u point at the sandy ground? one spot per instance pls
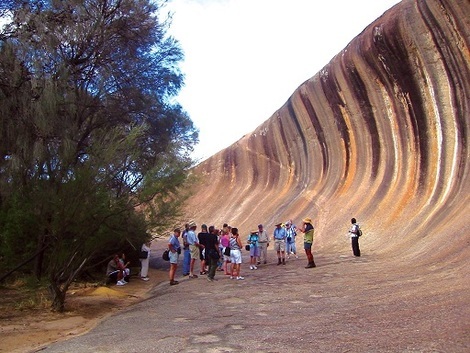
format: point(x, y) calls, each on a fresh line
point(29, 330)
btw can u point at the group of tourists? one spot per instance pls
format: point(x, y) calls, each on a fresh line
point(221, 250)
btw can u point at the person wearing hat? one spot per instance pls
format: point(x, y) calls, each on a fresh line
point(290, 239)
point(193, 248)
point(308, 230)
point(254, 248)
point(263, 241)
point(280, 243)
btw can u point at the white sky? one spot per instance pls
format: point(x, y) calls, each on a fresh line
point(244, 58)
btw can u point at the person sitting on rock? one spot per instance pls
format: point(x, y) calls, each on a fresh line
point(124, 267)
point(114, 272)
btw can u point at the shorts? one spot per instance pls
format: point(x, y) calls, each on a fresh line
point(202, 254)
point(279, 245)
point(254, 251)
point(235, 256)
point(173, 257)
point(226, 257)
point(194, 251)
point(307, 246)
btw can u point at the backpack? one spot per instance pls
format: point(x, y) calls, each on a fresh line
point(166, 255)
point(358, 230)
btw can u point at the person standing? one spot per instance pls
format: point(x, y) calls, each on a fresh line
point(263, 241)
point(254, 248)
point(202, 237)
point(193, 248)
point(308, 230)
point(235, 254)
point(174, 248)
point(290, 240)
point(144, 263)
point(212, 252)
point(355, 233)
point(186, 252)
point(280, 243)
point(225, 242)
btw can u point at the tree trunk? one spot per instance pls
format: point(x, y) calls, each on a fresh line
point(58, 288)
point(58, 297)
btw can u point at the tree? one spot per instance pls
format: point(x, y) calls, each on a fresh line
point(92, 146)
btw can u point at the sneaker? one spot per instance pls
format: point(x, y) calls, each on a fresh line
point(255, 268)
point(296, 256)
point(172, 283)
point(120, 283)
point(288, 257)
point(210, 279)
point(240, 277)
point(144, 278)
point(231, 277)
point(251, 267)
point(192, 276)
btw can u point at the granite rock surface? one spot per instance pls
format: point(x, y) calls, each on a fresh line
point(381, 133)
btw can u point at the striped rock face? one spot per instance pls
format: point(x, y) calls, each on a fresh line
point(380, 133)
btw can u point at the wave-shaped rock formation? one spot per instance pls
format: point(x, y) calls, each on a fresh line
point(380, 133)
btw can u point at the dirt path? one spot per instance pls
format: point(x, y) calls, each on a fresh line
point(26, 330)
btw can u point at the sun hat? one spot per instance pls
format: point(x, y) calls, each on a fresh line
point(192, 224)
point(278, 224)
point(307, 220)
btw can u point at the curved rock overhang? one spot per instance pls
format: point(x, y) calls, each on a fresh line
point(380, 133)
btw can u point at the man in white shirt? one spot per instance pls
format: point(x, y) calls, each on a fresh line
point(263, 241)
point(193, 248)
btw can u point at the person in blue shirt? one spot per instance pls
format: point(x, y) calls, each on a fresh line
point(253, 242)
point(290, 240)
point(194, 246)
point(280, 243)
point(175, 249)
point(186, 252)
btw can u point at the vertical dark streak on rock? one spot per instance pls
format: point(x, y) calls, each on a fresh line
point(295, 120)
point(283, 134)
point(396, 58)
point(360, 93)
point(458, 75)
point(319, 131)
point(331, 90)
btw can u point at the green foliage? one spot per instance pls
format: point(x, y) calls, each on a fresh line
point(93, 150)
point(17, 231)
